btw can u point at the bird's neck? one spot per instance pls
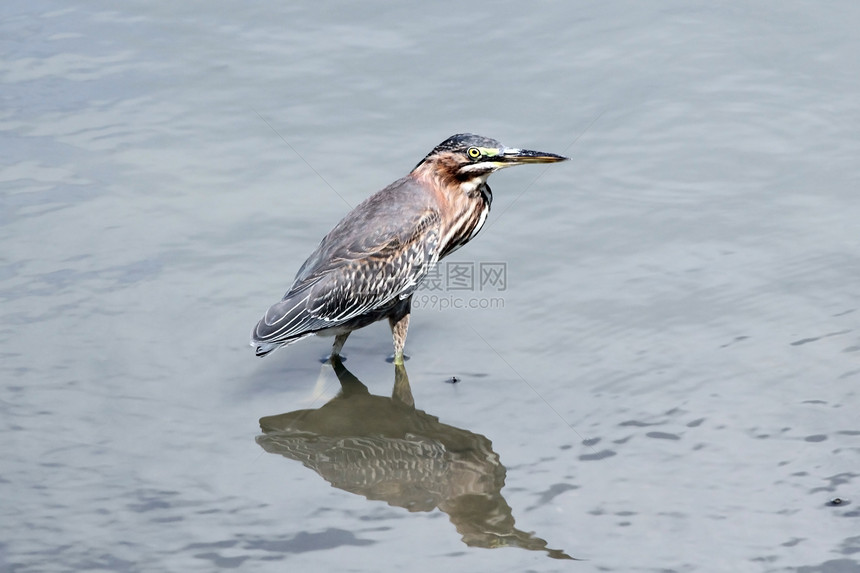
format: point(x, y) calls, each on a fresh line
point(452, 191)
point(477, 188)
point(463, 203)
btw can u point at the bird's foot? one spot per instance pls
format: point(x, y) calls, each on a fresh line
point(397, 359)
point(327, 358)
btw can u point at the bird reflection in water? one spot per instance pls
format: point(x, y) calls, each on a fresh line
point(385, 449)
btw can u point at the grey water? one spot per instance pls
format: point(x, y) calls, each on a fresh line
point(648, 360)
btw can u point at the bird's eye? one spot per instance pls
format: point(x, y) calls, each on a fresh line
point(474, 152)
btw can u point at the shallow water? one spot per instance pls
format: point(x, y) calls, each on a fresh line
point(665, 378)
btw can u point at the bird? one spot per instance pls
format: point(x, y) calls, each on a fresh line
point(369, 265)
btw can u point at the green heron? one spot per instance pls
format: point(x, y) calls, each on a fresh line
point(370, 264)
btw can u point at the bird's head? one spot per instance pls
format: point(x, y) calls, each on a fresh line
point(467, 158)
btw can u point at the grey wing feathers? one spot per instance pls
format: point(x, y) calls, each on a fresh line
point(339, 283)
point(285, 320)
point(387, 276)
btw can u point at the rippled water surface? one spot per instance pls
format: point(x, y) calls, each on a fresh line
point(654, 367)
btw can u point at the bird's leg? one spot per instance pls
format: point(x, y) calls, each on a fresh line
point(339, 341)
point(399, 325)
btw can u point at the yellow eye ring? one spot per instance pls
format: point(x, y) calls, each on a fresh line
point(474, 152)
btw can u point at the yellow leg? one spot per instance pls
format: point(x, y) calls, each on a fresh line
point(399, 326)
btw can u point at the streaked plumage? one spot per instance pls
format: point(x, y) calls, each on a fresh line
point(370, 264)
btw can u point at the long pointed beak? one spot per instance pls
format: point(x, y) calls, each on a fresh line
point(511, 156)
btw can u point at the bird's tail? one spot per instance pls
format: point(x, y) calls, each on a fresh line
point(285, 322)
point(264, 348)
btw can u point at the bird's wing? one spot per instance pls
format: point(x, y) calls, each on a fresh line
point(377, 255)
point(368, 277)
